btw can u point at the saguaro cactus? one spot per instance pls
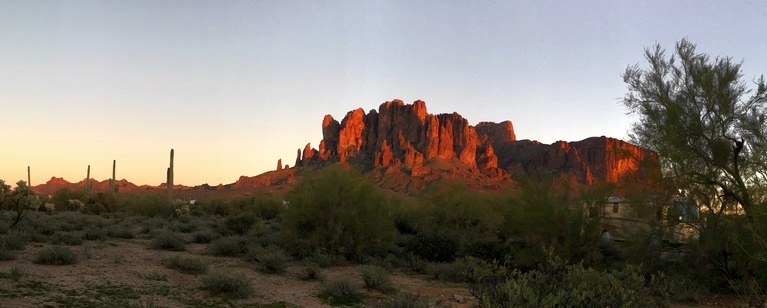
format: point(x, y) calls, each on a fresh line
point(88, 181)
point(170, 178)
point(29, 177)
point(113, 180)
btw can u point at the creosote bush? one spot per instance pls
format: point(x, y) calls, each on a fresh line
point(168, 241)
point(310, 271)
point(56, 255)
point(376, 278)
point(341, 212)
point(229, 246)
point(187, 265)
point(271, 259)
point(340, 290)
point(233, 285)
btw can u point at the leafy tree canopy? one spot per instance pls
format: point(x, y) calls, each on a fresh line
point(706, 124)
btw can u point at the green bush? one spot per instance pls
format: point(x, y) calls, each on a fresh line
point(340, 291)
point(12, 241)
point(271, 260)
point(237, 286)
point(376, 277)
point(168, 241)
point(241, 223)
point(6, 254)
point(341, 212)
point(457, 271)
point(230, 246)
point(433, 247)
point(94, 233)
point(311, 271)
point(56, 255)
point(205, 236)
point(67, 238)
point(187, 265)
point(120, 232)
point(569, 286)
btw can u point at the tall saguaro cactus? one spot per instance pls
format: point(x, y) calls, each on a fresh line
point(113, 180)
point(29, 177)
point(170, 178)
point(88, 181)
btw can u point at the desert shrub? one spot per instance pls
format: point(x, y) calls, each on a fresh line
point(12, 241)
point(486, 249)
point(6, 254)
point(270, 259)
point(62, 196)
point(433, 246)
point(341, 212)
point(117, 231)
point(458, 271)
point(229, 246)
point(67, 238)
point(240, 223)
point(151, 205)
point(93, 233)
point(323, 259)
point(219, 283)
point(56, 255)
point(404, 300)
point(152, 224)
point(184, 227)
point(168, 241)
point(562, 285)
point(310, 271)
point(376, 277)
point(205, 236)
point(340, 290)
point(187, 265)
point(17, 273)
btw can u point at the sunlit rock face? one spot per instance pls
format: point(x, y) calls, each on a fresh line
point(404, 138)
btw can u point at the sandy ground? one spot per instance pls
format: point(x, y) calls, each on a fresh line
point(129, 263)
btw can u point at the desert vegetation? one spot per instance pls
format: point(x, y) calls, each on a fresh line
point(339, 239)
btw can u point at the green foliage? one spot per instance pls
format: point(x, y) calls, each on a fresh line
point(186, 265)
point(562, 285)
point(341, 212)
point(376, 278)
point(233, 285)
point(56, 255)
point(118, 231)
point(62, 196)
point(168, 241)
point(240, 223)
point(230, 246)
point(12, 241)
point(340, 290)
point(695, 113)
point(20, 200)
point(433, 247)
point(271, 259)
point(17, 273)
point(205, 236)
point(311, 271)
point(67, 238)
point(150, 205)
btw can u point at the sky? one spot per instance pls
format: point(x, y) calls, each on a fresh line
point(233, 86)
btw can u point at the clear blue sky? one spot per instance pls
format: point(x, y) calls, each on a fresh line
point(233, 86)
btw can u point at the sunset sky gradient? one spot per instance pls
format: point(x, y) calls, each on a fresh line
point(233, 86)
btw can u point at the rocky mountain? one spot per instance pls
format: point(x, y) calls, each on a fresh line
point(405, 148)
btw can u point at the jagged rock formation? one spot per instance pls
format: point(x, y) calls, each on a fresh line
point(405, 147)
